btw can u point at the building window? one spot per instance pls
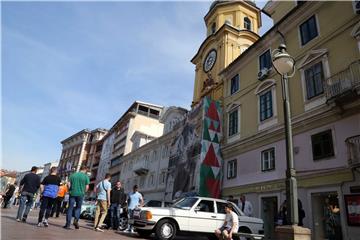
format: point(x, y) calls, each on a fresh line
point(231, 169)
point(235, 84)
point(233, 122)
point(268, 160)
point(162, 177)
point(247, 23)
point(265, 60)
point(322, 145)
point(314, 77)
point(308, 30)
point(213, 28)
point(266, 110)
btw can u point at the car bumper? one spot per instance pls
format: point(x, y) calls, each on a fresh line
point(144, 224)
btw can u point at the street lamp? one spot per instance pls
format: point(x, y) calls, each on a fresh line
point(284, 64)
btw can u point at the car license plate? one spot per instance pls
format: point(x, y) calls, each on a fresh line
point(137, 214)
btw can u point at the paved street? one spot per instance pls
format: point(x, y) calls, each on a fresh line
point(10, 229)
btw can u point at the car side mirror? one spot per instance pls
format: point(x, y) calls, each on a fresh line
point(197, 208)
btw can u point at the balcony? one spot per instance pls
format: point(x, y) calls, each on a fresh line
point(353, 146)
point(344, 87)
point(141, 167)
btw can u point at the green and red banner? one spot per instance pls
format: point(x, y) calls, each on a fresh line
point(210, 157)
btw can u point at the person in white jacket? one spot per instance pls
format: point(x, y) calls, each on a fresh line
point(245, 206)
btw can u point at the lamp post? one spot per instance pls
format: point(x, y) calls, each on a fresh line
point(284, 64)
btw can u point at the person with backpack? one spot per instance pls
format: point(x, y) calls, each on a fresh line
point(103, 190)
point(48, 191)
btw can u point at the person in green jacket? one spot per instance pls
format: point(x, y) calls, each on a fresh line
point(78, 184)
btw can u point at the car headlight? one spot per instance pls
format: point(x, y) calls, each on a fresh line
point(147, 215)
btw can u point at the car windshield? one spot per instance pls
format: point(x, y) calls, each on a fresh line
point(185, 203)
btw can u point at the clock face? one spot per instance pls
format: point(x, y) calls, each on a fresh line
point(210, 60)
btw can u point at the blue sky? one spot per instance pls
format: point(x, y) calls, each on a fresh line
point(67, 66)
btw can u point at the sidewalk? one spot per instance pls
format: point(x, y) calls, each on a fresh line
point(11, 229)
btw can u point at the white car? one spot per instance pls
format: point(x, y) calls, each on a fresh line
point(198, 215)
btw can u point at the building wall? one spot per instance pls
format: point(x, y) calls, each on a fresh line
point(336, 49)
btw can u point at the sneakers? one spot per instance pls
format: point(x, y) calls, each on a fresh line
point(67, 227)
point(18, 220)
point(45, 222)
point(39, 224)
point(99, 229)
point(76, 224)
point(23, 219)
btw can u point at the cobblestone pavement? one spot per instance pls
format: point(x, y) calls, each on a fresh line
point(10, 229)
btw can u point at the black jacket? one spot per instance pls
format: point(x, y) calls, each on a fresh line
point(118, 196)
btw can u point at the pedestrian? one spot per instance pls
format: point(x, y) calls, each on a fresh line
point(103, 190)
point(245, 206)
point(117, 201)
point(135, 200)
point(29, 186)
point(65, 203)
point(57, 206)
point(48, 191)
point(232, 199)
point(78, 184)
point(301, 213)
point(230, 225)
point(8, 194)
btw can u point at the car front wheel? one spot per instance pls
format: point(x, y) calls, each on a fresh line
point(165, 230)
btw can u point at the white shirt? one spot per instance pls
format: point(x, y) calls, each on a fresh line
point(248, 209)
point(231, 220)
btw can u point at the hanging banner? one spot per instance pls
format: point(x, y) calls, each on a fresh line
point(210, 157)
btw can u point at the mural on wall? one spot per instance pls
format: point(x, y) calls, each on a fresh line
point(184, 155)
point(106, 154)
point(210, 157)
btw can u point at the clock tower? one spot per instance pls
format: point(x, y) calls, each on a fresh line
point(232, 26)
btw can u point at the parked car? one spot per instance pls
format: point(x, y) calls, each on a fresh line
point(88, 210)
point(191, 214)
point(157, 203)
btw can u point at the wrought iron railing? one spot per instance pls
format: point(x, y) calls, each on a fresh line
point(344, 81)
point(353, 145)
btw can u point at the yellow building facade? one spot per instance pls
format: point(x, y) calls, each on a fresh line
point(325, 111)
point(232, 26)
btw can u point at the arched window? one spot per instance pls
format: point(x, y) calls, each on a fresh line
point(247, 23)
point(213, 28)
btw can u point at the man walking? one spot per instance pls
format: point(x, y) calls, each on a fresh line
point(30, 184)
point(117, 200)
point(245, 206)
point(135, 200)
point(103, 190)
point(78, 185)
point(57, 207)
point(49, 190)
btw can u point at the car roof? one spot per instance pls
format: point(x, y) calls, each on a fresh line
point(210, 199)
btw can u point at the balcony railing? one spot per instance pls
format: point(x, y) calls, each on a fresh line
point(353, 145)
point(141, 167)
point(344, 85)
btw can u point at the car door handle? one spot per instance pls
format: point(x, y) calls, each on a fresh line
point(213, 216)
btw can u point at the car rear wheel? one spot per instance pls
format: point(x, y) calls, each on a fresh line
point(165, 230)
point(123, 223)
point(243, 230)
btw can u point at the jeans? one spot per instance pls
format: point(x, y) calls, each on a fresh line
point(57, 206)
point(25, 199)
point(130, 216)
point(114, 215)
point(45, 207)
point(72, 200)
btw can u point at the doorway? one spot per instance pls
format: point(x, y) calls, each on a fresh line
point(320, 210)
point(269, 212)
